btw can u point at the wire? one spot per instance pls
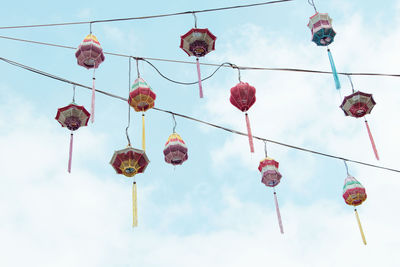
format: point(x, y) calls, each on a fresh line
point(198, 120)
point(143, 17)
point(228, 65)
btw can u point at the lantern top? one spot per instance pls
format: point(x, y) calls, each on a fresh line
point(358, 104)
point(129, 161)
point(91, 38)
point(198, 42)
point(318, 17)
point(243, 96)
point(268, 161)
point(174, 137)
point(353, 191)
point(72, 116)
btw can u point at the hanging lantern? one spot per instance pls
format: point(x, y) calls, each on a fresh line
point(243, 96)
point(129, 162)
point(271, 178)
point(90, 55)
point(175, 150)
point(141, 98)
point(357, 105)
point(198, 43)
point(73, 117)
point(323, 35)
point(354, 195)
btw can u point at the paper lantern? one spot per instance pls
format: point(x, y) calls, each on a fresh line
point(73, 117)
point(198, 42)
point(129, 162)
point(90, 55)
point(243, 96)
point(323, 34)
point(175, 150)
point(354, 195)
point(357, 105)
point(271, 178)
point(141, 98)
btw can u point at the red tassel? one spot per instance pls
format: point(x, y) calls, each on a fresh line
point(199, 76)
point(372, 140)
point(71, 142)
point(249, 134)
point(93, 92)
point(278, 213)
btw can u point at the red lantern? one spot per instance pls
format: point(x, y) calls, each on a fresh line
point(198, 43)
point(73, 117)
point(357, 105)
point(243, 96)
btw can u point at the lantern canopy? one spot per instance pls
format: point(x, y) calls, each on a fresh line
point(243, 96)
point(321, 29)
point(353, 192)
point(129, 161)
point(270, 173)
point(175, 150)
point(72, 117)
point(358, 104)
point(141, 97)
point(90, 53)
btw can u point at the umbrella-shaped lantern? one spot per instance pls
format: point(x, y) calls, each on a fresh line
point(323, 34)
point(357, 105)
point(271, 178)
point(198, 42)
point(129, 162)
point(354, 195)
point(243, 96)
point(141, 98)
point(90, 55)
point(73, 117)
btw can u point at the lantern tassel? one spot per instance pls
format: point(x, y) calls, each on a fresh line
point(199, 76)
point(93, 98)
point(334, 72)
point(249, 134)
point(372, 140)
point(359, 225)
point(278, 213)
point(71, 142)
point(134, 205)
point(143, 134)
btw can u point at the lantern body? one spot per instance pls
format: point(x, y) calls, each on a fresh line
point(321, 29)
point(175, 150)
point(353, 192)
point(89, 53)
point(72, 116)
point(243, 96)
point(358, 104)
point(198, 42)
point(141, 97)
point(129, 161)
point(270, 173)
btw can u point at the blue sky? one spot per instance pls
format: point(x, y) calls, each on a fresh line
point(212, 210)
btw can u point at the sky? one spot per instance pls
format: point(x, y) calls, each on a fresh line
point(213, 210)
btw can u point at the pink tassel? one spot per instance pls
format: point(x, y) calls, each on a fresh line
point(278, 213)
point(71, 142)
point(199, 76)
point(249, 134)
point(93, 92)
point(372, 140)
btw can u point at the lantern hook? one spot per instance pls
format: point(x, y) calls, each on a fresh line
point(351, 82)
point(347, 168)
point(173, 117)
point(129, 108)
point(195, 19)
point(137, 67)
point(73, 93)
point(234, 66)
point(311, 2)
point(265, 148)
point(90, 27)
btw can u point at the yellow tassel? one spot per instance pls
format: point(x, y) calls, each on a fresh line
point(359, 225)
point(143, 134)
point(134, 205)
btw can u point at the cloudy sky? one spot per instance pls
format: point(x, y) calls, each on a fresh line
point(213, 210)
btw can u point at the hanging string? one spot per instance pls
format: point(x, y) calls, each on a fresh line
point(137, 67)
point(195, 19)
point(90, 27)
point(351, 82)
point(173, 129)
point(347, 168)
point(265, 150)
point(73, 93)
point(234, 66)
point(129, 107)
point(311, 2)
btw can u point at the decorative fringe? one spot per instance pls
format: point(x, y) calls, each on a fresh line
point(134, 205)
point(71, 142)
point(334, 72)
point(359, 225)
point(93, 99)
point(278, 213)
point(249, 134)
point(372, 141)
point(199, 76)
point(143, 134)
